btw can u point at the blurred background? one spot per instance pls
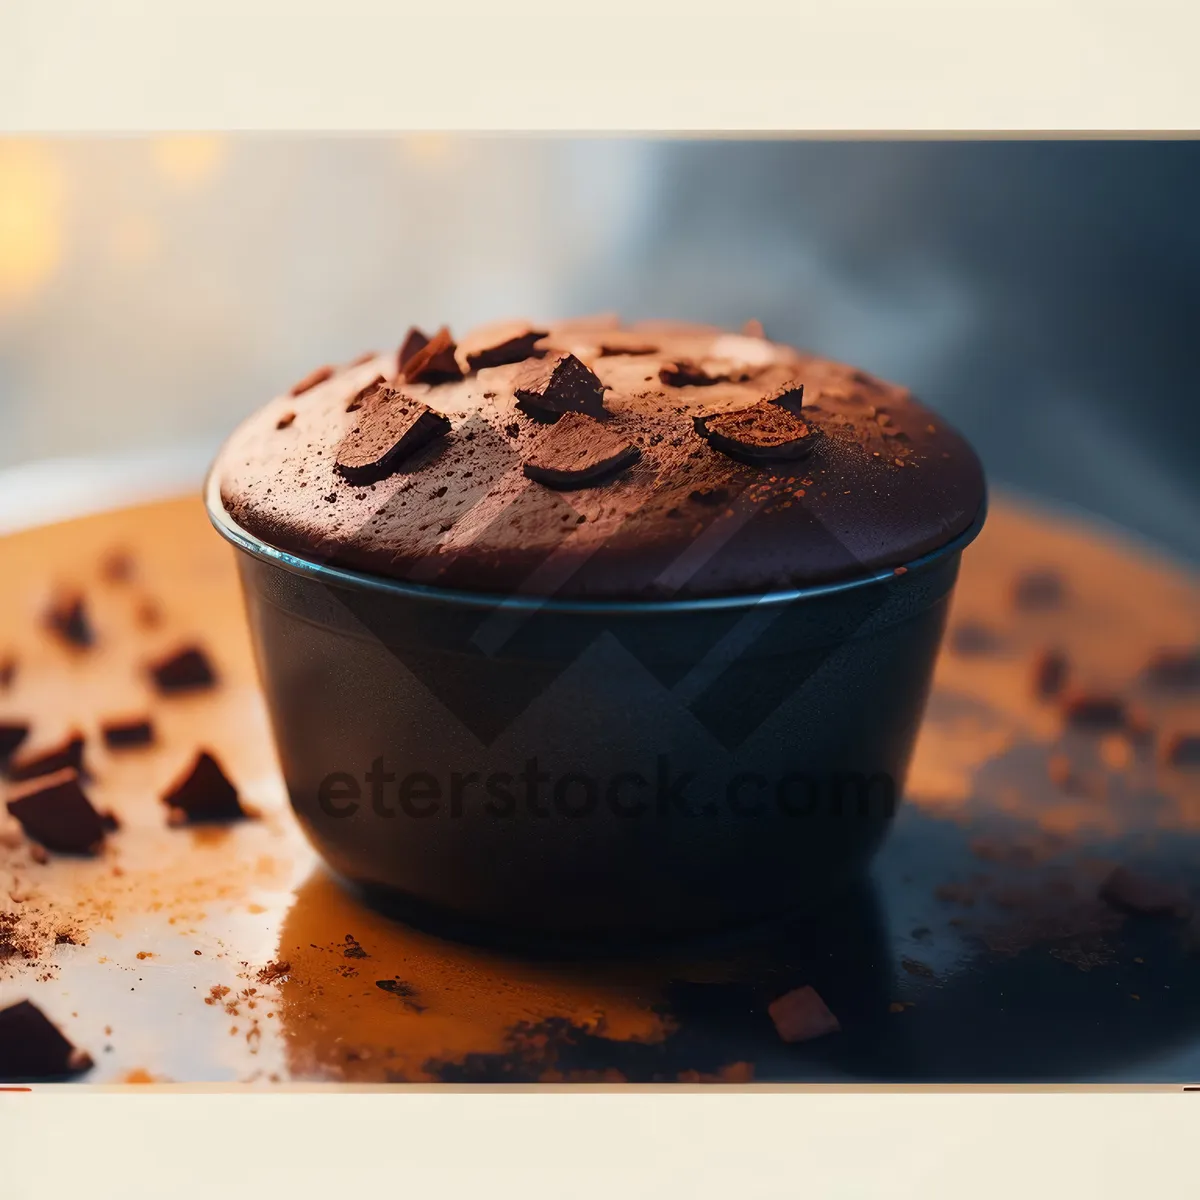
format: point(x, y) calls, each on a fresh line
point(1044, 296)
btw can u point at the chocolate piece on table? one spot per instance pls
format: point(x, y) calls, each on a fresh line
point(311, 380)
point(55, 812)
point(127, 732)
point(763, 433)
point(67, 755)
point(685, 372)
point(1039, 590)
point(519, 344)
point(392, 427)
point(1050, 671)
point(434, 362)
point(67, 617)
point(1094, 710)
point(801, 1015)
point(577, 452)
point(32, 1047)
point(365, 393)
point(1174, 667)
point(553, 386)
point(12, 734)
point(1182, 750)
point(186, 670)
point(1139, 894)
point(204, 794)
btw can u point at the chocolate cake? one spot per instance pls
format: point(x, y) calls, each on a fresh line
point(768, 467)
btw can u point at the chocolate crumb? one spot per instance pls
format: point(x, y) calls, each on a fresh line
point(553, 386)
point(432, 363)
point(67, 755)
point(1174, 667)
point(311, 380)
point(1039, 590)
point(117, 566)
point(12, 734)
point(578, 452)
point(273, 972)
point(405, 991)
point(352, 948)
point(801, 1016)
point(204, 795)
point(67, 617)
point(1050, 671)
point(184, 671)
point(126, 732)
point(55, 812)
point(32, 1047)
point(1136, 893)
point(1182, 750)
point(392, 427)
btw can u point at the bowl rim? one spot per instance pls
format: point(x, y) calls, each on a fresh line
point(296, 564)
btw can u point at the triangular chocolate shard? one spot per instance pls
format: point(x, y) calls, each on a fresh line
point(504, 346)
point(205, 795)
point(392, 427)
point(554, 386)
point(56, 813)
point(434, 362)
point(578, 452)
point(32, 1047)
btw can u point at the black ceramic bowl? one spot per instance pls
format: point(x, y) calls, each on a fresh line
point(599, 769)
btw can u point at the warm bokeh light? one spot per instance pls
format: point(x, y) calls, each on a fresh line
point(31, 202)
point(189, 160)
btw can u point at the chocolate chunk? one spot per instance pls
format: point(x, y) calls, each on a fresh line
point(31, 1046)
point(1174, 667)
point(558, 385)
point(56, 813)
point(12, 734)
point(685, 372)
point(616, 343)
point(311, 380)
point(68, 755)
point(1094, 711)
point(789, 396)
point(515, 348)
point(764, 432)
point(414, 341)
point(392, 427)
point(67, 617)
point(1182, 750)
point(186, 670)
point(204, 794)
point(353, 948)
point(285, 421)
point(135, 731)
point(577, 452)
point(8, 671)
point(364, 394)
point(1036, 591)
point(434, 362)
point(1050, 672)
point(802, 1015)
point(405, 991)
point(1139, 894)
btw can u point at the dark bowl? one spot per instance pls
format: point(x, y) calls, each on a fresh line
point(601, 770)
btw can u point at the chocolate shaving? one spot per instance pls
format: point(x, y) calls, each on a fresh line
point(56, 813)
point(513, 349)
point(67, 617)
point(392, 427)
point(764, 432)
point(1136, 893)
point(285, 421)
point(364, 394)
point(12, 734)
point(311, 380)
point(577, 452)
point(554, 386)
point(432, 363)
point(122, 734)
point(801, 1016)
point(204, 795)
point(186, 670)
point(68, 755)
point(32, 1047)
